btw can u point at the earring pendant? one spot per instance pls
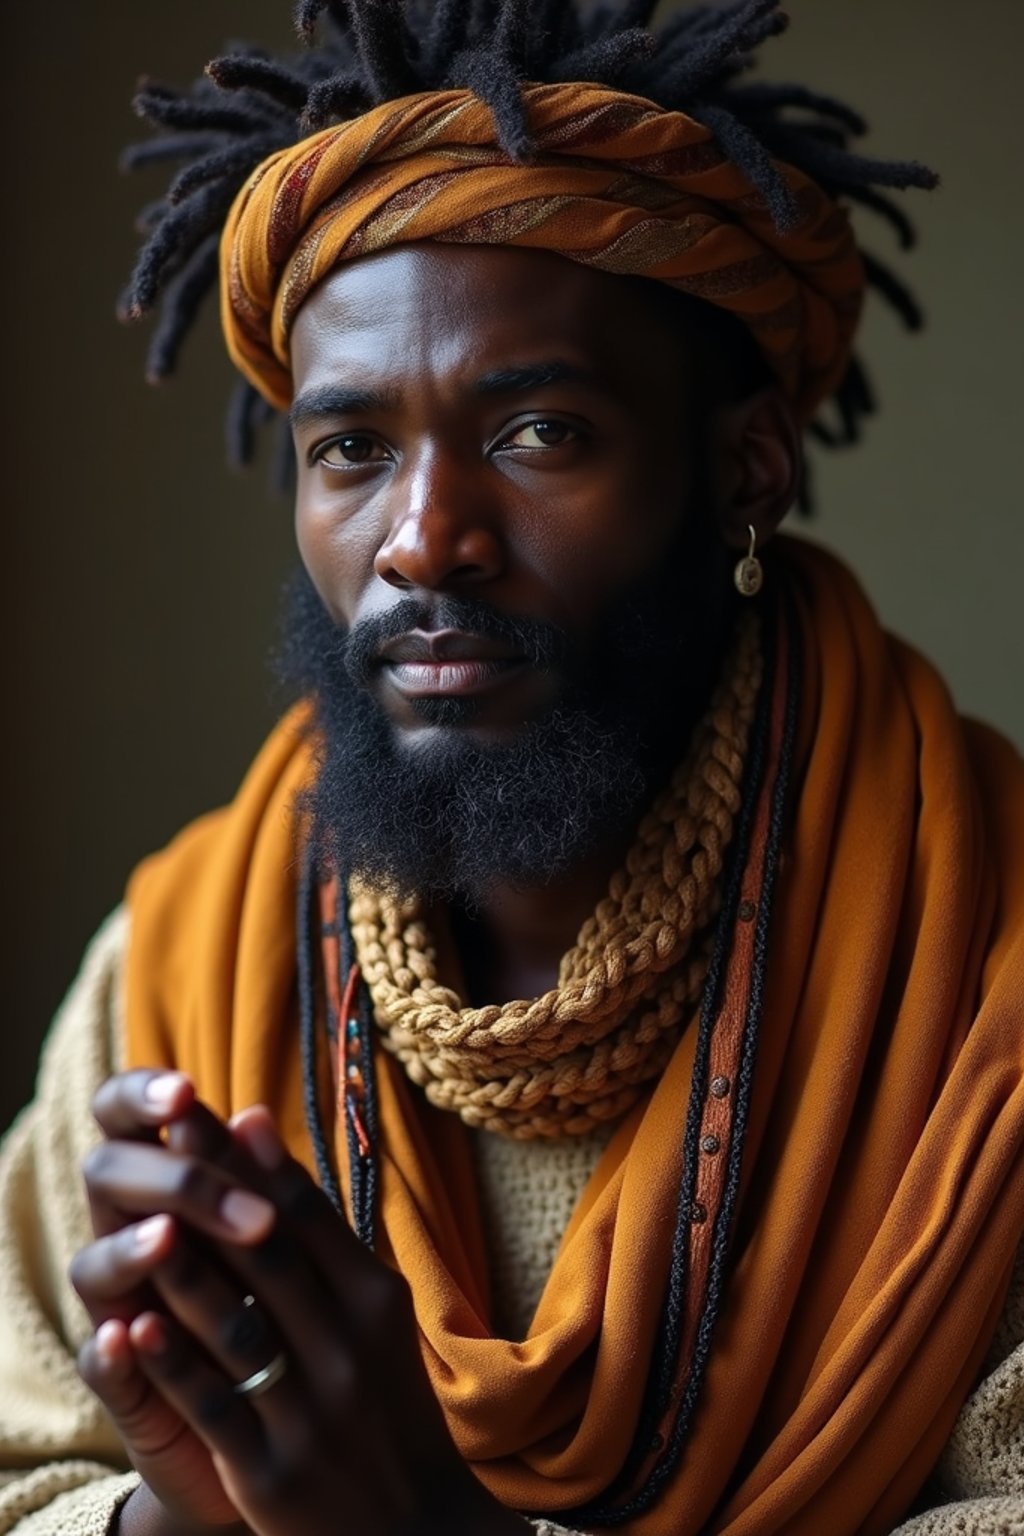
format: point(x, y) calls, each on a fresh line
point(749, 572)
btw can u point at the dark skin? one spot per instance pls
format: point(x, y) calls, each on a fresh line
point(497, 423)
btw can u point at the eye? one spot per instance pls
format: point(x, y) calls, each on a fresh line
point(541, 434)
point(350, 451)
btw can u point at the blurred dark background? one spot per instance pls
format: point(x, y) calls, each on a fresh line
point(142, 576)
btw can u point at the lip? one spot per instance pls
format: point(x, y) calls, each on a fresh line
point(450, 679)
point(445, 645)
point(448, 664)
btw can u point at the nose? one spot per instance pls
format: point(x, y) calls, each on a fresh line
point(442, 533)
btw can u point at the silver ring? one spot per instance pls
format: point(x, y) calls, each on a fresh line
point(262, 1381)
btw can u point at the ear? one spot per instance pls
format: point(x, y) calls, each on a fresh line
point(758, 458)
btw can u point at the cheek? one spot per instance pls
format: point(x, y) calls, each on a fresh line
point(337, 552)
point(594, 546)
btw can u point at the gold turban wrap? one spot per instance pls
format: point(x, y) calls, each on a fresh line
point(617, 183)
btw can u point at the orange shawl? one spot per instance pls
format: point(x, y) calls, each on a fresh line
point(618, 183)
point(839, 1309)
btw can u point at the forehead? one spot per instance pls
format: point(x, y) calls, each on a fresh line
point(433, 310)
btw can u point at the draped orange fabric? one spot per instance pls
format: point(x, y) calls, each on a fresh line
point(882, 1190)
point(618, 184)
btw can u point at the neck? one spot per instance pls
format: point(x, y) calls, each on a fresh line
point(510, 945)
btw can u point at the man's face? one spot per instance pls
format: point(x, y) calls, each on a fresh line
point(499, 425)
point(499, 508)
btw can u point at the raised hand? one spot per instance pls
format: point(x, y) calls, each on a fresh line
point(340, 1430)
point(134, 1182)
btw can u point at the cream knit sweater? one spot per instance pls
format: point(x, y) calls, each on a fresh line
point(62, 1467)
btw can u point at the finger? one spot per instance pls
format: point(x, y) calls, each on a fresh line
point(305, 1207)
point(197, 1132)
point(134, 1106)
point(200, 1133)
point(199, 1390)
point(107, 1364)
point(138, 1180)
point(211, 1305)
point(110, 1274)
point(323, 1291)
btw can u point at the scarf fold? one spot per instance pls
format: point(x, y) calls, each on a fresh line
point(618, 183)
point(831, 1311)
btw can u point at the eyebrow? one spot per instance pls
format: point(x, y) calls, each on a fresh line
point(334, 400)
point(514, 381)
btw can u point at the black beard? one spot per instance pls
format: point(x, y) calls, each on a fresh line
point(449, 819)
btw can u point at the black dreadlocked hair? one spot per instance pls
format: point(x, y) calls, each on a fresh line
point(247, 105)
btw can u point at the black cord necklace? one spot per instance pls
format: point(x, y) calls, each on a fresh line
point(351, 1036)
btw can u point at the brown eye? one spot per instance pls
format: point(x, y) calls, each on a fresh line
point(345, 451)
point(541, 434)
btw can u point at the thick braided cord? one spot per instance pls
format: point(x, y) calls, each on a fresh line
point(580, 1054)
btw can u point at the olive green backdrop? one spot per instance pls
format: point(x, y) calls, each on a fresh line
point(141, 576)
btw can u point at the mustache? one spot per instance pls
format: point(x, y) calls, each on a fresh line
point(543, 645)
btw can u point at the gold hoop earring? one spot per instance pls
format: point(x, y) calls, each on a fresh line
point(749, 572)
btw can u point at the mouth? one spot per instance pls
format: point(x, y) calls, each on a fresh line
point(448, 664)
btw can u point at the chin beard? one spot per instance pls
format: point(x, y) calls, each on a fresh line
point(450, 817)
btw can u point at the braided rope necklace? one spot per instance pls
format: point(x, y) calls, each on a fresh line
point(581, 1054)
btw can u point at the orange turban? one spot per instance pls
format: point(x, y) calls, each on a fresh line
point(617, 183)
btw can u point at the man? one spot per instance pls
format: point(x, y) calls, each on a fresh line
point(624, 931)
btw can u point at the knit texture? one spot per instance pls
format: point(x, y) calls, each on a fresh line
point(62, 1467)
point(50, 1423)
point(979, 1517)
point(528, 1190)
point(72, 1498)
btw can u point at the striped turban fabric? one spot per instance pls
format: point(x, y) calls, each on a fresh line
point(617, 183)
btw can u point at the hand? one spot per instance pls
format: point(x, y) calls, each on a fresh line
point(351, 1437)
point(352, 1426)
point(131, 1175)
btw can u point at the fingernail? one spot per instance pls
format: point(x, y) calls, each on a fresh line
point(248, 1215)
point(150, 1234)
point(160, 1092)
point(149, 1333)
point(108, 1337)
point(263, 1142)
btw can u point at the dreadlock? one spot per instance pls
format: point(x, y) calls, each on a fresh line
point(360, 53)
